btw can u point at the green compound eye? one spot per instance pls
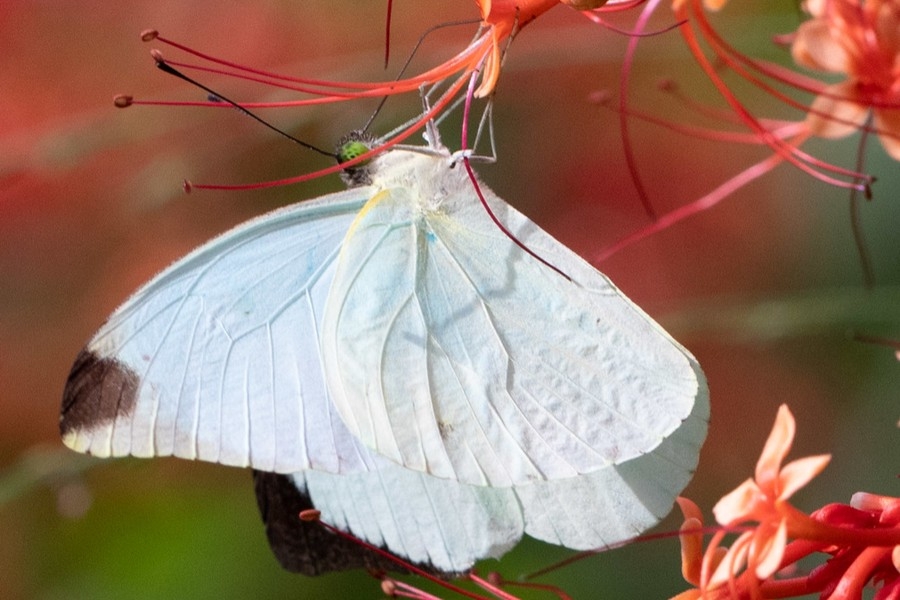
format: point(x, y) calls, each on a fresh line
point(351, 150)
point(350, 147)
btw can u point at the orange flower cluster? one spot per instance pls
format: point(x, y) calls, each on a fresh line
point(862, 538)
point(860, 40)
point(856, 38)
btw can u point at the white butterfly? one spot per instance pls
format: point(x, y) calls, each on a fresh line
point(392, 358)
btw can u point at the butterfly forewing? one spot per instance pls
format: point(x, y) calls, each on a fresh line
point(217, 358)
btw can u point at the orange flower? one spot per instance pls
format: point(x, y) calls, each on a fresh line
point(859, 39)
point(766, 77)
point(856, 38)
point(764, 499)
point(502, 18)
point(708, 4)
point(863, 538)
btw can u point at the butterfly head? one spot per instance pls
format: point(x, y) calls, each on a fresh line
point(351, 146)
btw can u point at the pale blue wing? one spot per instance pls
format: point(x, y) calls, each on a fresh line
point(217, 358)
point(451, 526)
point(419, 517)
point(620, 502)
point(451, 351)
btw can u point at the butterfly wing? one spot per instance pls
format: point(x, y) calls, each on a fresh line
point(445, 526)
point(450, 350)
point(431, 521)
point(303, 547)
point(437, 524)
point(217, 357)
point(619, 502)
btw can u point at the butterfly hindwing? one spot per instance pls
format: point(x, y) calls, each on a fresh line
point(428, 520)
point(619, 502)
point(300, 546)
point(440, 527)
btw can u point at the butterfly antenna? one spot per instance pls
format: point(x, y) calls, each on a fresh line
point(215, 96)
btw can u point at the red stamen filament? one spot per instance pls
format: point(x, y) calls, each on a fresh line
point(726, 53)
point(786, 151)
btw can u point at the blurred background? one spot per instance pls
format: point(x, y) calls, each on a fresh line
point(765, 289)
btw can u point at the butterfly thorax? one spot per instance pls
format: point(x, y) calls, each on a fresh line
point(435, 183)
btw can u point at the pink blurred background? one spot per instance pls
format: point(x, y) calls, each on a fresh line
point(763, 289)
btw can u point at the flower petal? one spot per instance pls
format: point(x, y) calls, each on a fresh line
point(776, 448)
point(771, 552)
point(799, 472)
point(887, 32)
point(691, 537)
point(737, 505)
point(887, 121)
point(815, 7)
point(815, 47)
point(733, 561)
point(689, 509)
point(835, 113)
